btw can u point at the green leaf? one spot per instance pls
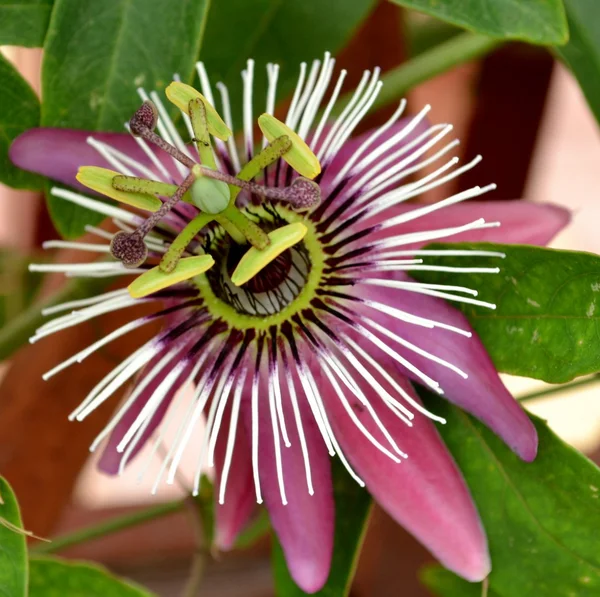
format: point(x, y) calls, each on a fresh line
point(278, 31)
point(19, 111)
point(13, 550)
point(443, 583)
point(24, 22)
point(548, 308)
point(541, 518)
point(53, 577)
point(534, 21)
point(582, 53)
point(353, 506)
point(98, 53)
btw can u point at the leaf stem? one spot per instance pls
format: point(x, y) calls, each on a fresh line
point(458, 50)
point(567, 387)
point(192, 586)
point(108, 527)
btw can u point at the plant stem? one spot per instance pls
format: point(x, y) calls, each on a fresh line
point(192, 586)
point(106, 528)
point(567, 387)
point(18, 330)
point(458, 50)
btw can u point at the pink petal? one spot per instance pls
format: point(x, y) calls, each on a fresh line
point(305, 526)
point(233, 515)
point(482, 394)
point(522, 222)
point(58, 153)
point(425, 493)
point(110, 460)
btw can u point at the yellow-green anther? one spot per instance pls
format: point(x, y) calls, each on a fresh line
point(101, 181)
point(253, 233)
point(269, 154)
point(133, 184)
point(254, 260)
point(155, 279)
point(197, 112)
point(299, 156)
point(184, 238)
point(180, 94)
point(208, 194)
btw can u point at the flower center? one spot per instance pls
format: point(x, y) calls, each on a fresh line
point(284, 287)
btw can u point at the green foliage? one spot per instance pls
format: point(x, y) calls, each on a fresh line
point(443, 583)
point(286, 33)
point(541, 518)
point(582, 53)
point(24, 22)
point(13, 551)
point(535, 21)
point(19, 111)
point(352, 505)
point(546, 322)
point(53, 577)
point(98, 53)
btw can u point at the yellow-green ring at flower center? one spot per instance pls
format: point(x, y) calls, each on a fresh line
point(218, 308)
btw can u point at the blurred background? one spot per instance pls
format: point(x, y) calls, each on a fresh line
point(518, 107)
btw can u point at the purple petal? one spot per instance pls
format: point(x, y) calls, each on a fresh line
point(425, 493)
point(233, 515)
point(482, 394)
point(522, 222)
point(58, 153)
point(110, 460)
point(304, 526)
